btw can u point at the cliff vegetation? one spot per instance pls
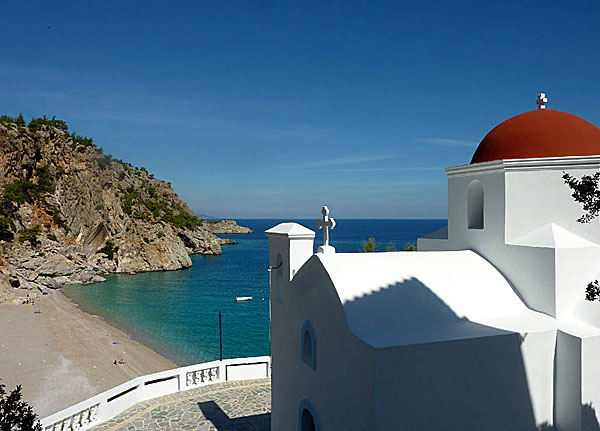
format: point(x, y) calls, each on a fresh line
point(71, 214)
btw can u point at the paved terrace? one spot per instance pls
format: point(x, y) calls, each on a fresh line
point(230, 406)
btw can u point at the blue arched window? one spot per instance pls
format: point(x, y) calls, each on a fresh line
point(307, 417)
point(308, 345)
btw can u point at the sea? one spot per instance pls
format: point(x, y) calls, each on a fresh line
point(176, 313)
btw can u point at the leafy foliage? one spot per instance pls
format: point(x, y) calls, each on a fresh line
point(82, 140)
point(586, 191)
point(592, 292)
point(109, 249)
point(18, 191)
point(20, 121)
point(21, 191)
point(369, 245)
point(30, 234)
point(409, 246)
point(16, 414)
point(7, 227)
point(44, 182)
point(37, 123)
point(52, 237)
point(104, 161)
point(161, 209)
point(5, 119)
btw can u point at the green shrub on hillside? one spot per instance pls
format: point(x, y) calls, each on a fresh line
point(18, 191)
point(7, 227)
point(109, 249)
point(37, 123)
point(5, 119)
point(44, 182)
point(20, 121)
point(30, 234)
point(128, 198)
point(104, 161)
point(82, 140)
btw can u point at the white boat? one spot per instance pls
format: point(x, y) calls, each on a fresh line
point(243, 298)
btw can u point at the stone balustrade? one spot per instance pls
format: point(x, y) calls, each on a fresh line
point(108, 404)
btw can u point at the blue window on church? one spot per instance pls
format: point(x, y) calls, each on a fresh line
point(308, 345)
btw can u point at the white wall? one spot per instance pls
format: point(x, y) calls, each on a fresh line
point(488, 383)
point(520, 197)
point(537, 197)
point(340, 388)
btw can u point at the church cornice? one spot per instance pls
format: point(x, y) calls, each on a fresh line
point(547, 163)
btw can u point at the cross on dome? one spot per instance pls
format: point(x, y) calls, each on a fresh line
point(326, 223)
point(541, 101)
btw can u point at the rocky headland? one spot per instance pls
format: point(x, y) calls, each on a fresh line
point(71, 214)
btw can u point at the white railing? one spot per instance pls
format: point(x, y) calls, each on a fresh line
point(107, 405)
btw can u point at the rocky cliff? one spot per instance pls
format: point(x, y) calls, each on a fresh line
point(70, 214)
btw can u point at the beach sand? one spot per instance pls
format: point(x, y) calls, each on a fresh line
point(63, 355)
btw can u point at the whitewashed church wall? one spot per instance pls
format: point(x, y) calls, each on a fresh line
point(538, 197)
point(538, 349)
point(493, 208)
point(529, 270)
point(571, 284)
point(590, 381)
point(567, 409)
point(469, 384)
point(340, 388)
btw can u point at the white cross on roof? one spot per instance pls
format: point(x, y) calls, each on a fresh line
point(541, 101)
point(326, 223)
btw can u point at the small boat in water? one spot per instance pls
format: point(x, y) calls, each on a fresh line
point(243, 298)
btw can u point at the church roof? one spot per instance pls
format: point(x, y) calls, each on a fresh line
point(552, 235)
point(402, 298)
point(291, 230)
point(537, 134)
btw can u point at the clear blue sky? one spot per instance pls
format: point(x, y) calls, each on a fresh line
point(273, 108)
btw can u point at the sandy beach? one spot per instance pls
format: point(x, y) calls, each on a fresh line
point(62, 355)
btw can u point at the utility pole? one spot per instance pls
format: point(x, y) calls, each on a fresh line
point(220, 337)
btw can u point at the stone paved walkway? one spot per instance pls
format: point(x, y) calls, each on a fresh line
point(230, 406)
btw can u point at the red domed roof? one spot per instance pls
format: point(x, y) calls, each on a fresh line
point(537, 134)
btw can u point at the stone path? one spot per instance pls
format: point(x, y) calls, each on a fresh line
point(230, 406)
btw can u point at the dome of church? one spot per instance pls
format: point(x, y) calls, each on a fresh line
point(537, 134)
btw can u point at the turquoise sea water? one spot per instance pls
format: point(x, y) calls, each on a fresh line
point(176, 312)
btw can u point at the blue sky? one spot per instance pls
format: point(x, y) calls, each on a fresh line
point(274, 108)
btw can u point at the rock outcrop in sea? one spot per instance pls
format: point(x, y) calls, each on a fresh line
point(71, 214)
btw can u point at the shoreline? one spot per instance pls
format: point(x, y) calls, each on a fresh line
point(129, 332)
point(62, 355)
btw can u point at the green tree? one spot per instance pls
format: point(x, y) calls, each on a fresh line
point(20, 121)
point(7, 227)
point(586, 191)
point(5, 119)
point(16, 414)
point(82, 140)
point(368, 246)
point(410, 246)
point(30, 234)
point(18, 191)
point(109, 249)
point(37, 123)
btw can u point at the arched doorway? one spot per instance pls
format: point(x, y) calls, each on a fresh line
point(307, 422)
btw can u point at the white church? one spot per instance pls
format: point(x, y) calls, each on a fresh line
point(485, 327)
